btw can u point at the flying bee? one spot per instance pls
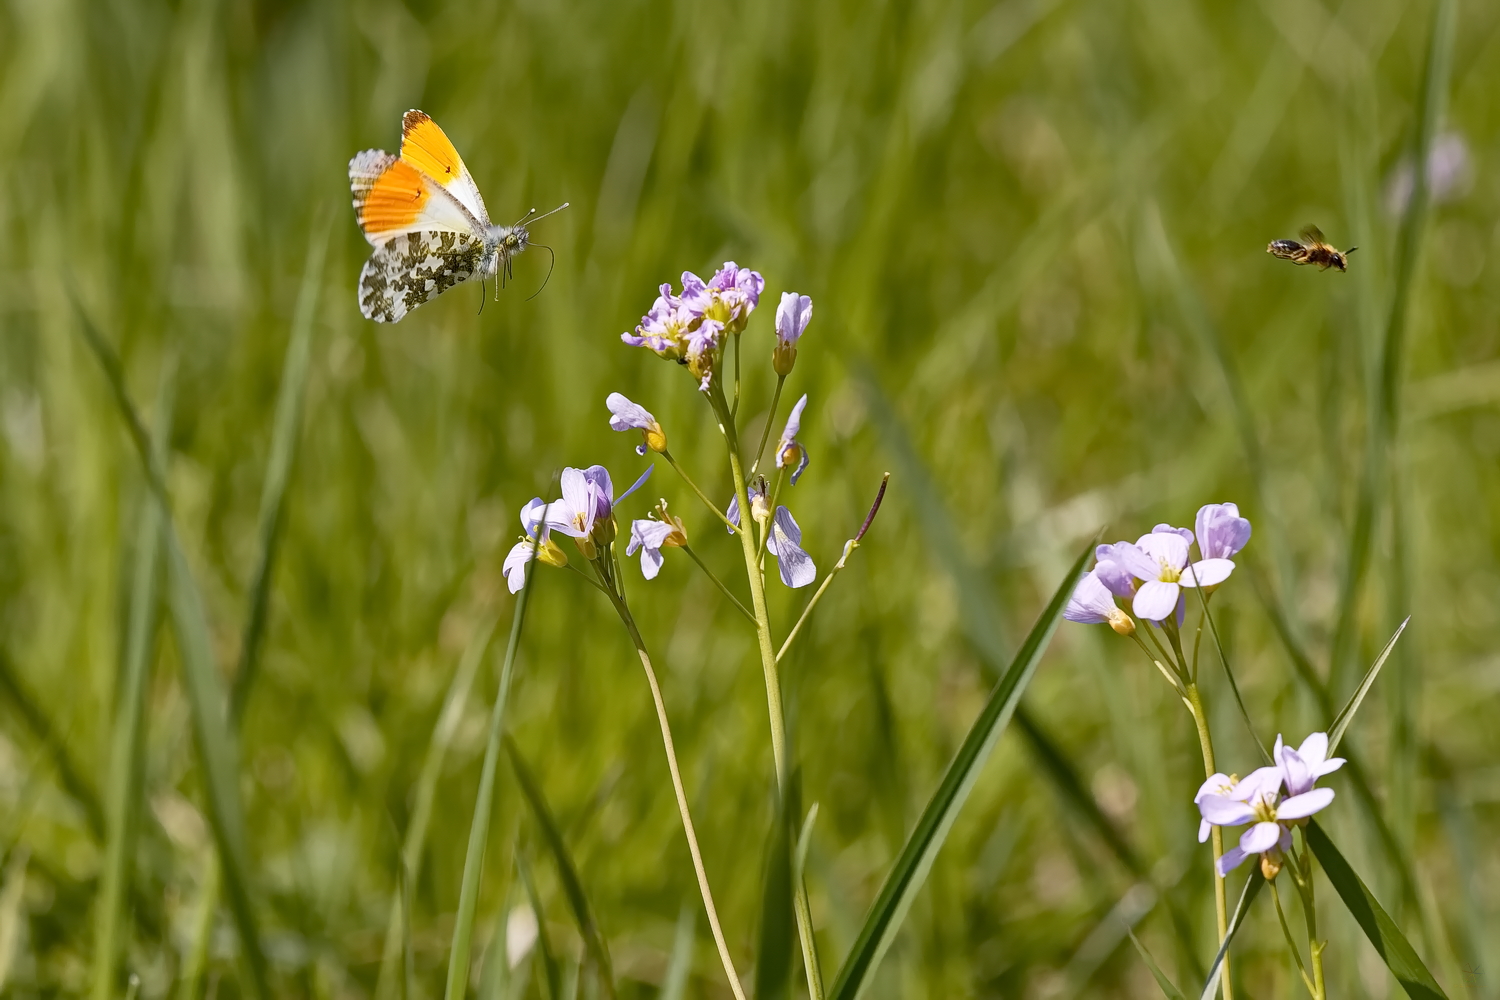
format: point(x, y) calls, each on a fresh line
point(1312, 250)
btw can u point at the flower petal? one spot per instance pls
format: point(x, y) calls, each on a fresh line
point(1217, 783)
point(796, 566)
point(514, 569)
point(1232, 859)
point(1221, 531)
point(1166, 548)
point(651, 560)
point(625, 415)
point(1134, 560)
point(1091, 603)
point(533, 514)
point(1260, 837)
point(1185, 534)
point(1204, 827)
point(1207, 573)
point(1221, 811)
point(1155, 600)
point(1297, 775)
point(637, 484)
point(1261, 782)
point(793, 422)
point(1299, 806)
point(1314, 749)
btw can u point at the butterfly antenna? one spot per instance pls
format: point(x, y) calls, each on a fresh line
point(482, 295)
point(551, 262)
point(539, 218)
point(525, 218)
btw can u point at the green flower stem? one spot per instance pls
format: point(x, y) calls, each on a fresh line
point(1221, 903)
point(1291, 943)
point(765, 433)
point(1302, 874)
point(1168, 672)
point(768, 666)
point(734, 410)
point(682, 803)
point(719, 583)
point(701, 495)
point(786, 644)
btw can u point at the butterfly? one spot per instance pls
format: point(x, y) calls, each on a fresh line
point(422, 213)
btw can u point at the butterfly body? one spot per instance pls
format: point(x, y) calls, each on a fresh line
point(424, 215)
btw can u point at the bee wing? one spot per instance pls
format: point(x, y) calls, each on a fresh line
point(1312, 234)
point(392, 197)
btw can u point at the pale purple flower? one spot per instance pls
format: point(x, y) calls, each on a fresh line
point(1301, 768)
point(666, 328)
point(738, 289)
point(1221, 531)
point(1110, 568)
point(587, 502)
point(625, 415)
point(1093, 604)
point(1160, 561)
point(789, 450)
point(651, 536)
point(1222, 801)
point(1448, 174)
point(792, 317)
point(785, 543)
point(524, 551)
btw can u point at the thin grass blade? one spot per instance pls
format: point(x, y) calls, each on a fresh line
point(288, 424)
point(1168, 989)
point(773, 961)
point(680, 965)
point(1253, 885)
point(479, 826)
point(1341, 721)
point(1397, 953)
point(12, 903)
point(551, 972)
point(567, 871)
point(128, 749)
point(910, 870)
point(415, 842)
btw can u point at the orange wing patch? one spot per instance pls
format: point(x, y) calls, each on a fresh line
point(393, 201)
point(426, 147)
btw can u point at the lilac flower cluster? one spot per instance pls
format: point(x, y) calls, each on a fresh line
point(1152, 572)
point(691, 327)
point(584, 512)
point(1224, 800)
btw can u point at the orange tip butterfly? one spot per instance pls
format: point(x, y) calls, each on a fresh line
point(422, 213)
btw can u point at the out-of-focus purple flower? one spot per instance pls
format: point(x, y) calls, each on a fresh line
point(1448, 174)
point(651, 536)
point(1301, 768)
point(535, 544)
point(789, 450)
point(1222, 801)
point(1160, 561)
point(625, 415)
point(1221, 531)
point(1093, 604)
point(785, 543)
point(586, 510)
point(690, 327)
point(792, 317)
point(1112, 571)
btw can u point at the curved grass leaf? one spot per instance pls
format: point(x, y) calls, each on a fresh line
point(200, 674)
point(1397, 953)
point(288, 423)
point(567, 871)
point(910, 870)
point(1253, 885)
point(1171, 991)
point(128, 749)
point(1346, 714)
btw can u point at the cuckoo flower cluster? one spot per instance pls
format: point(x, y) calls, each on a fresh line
point(1151, 573)
point(691, 327)
point(1257, 799)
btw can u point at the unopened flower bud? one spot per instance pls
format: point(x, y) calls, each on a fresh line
point(1122, 623)
point(760, 506)
point(551, 554)
point(783, 358)
point(1270, 864)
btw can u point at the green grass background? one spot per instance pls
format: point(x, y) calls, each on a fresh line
point(998, 210)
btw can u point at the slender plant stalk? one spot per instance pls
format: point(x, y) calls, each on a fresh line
point(1291, 942)
point(1221, 903)
point(479, 827)
point(765, 433)
point(720, 584)
point(768, 667)
point(682, 803)
point(701, 495)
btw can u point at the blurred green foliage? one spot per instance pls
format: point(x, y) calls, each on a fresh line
point(997, 208)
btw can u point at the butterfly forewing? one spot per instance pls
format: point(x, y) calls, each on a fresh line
point(426, 147)
point(413, 267)
point(392, 197)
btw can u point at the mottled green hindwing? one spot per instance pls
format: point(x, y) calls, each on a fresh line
point(413, 268)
